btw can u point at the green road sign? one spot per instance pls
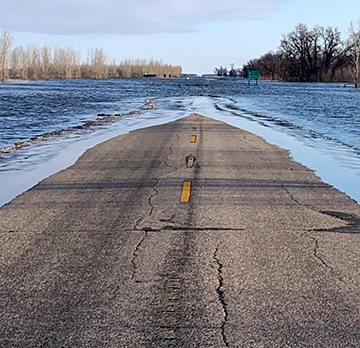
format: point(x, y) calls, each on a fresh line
point(253, 74)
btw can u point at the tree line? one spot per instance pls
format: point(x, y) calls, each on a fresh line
point(46, 63)
point(224, 71)
point(310, 55)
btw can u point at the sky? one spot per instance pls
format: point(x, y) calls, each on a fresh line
point(199, 35)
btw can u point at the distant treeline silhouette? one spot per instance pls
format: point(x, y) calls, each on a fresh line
point(312, 55)
point(308, 55)
point(33, 63)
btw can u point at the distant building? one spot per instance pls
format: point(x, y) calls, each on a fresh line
point(209, 75)
point(149, 75)
point(188, 75)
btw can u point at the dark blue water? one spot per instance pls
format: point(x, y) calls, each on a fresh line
point(321, 110)
point(319, 115)
point(30, 109)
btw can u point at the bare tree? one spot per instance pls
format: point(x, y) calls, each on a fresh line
point(34, 57)
point(20, 63)
point(304, 55)
point(354, 52)
point(130, 68)
point(15, 63)
point(98, 64)
point(45, 62)
point(332, 50)
point(222, 71)
point(296, 47)
point(5, 44)
point(233, 72)
point(34, 63)
point(269, 64)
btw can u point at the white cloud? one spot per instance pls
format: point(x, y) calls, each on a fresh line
point(125, 16)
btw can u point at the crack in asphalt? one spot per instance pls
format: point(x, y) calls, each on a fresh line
point(298, 202)
point(136, 250)
point(137, 222)
point(151, 210)
point(136, 255)
point(316, 255)
point(352, 220)
point(152, 196)
point(188, 228)
point(167, 158)
point(324, 263)
point(338, 215)
point(221, 296)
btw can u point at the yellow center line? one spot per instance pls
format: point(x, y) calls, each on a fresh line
point(185, 192)
point(193, 139)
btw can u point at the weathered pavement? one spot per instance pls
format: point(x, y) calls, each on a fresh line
point(103, 254)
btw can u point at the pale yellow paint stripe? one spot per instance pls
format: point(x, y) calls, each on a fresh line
point(185, 192)
point(193, 139)
point(196, 119)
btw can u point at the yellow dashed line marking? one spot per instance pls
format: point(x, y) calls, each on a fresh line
point(193, 139)
point(185, 192)
point(196, 119)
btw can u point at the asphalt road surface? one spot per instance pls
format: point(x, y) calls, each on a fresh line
point(161, 239)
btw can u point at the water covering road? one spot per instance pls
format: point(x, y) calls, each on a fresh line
point(318, 123)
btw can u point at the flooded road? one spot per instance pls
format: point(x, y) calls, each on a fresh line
point(318, 123)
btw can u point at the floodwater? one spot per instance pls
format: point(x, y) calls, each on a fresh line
point(318, 123)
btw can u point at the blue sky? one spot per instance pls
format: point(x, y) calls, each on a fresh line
point(197, 34)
